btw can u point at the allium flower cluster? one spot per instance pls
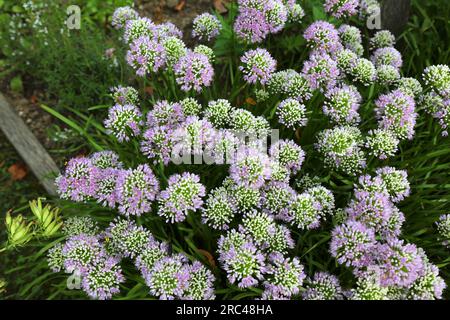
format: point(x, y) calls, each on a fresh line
point(342, 104)
point(292, 113)
point(284, 277)
point(146, 55)
point(122, 15)
point(290, 84)
point(323, 286)
point(396, 112)
point(125, 95)
point(321, 71)
point(193, 71)
point(341, 148)
point(258, 66)
point(443, 228)
point(124, 121)
point(241, 259)
point(323, 37)
point(351, 243)
point(341, 8)
point(183, 195)
point(136, 189)
point(206, 27)
point(382, 143)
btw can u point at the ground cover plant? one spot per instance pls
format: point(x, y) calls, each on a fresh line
point(285, 155)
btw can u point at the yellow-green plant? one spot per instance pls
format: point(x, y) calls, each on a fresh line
point(48, 218)
point(19, 230)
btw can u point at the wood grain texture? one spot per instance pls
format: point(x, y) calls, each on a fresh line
point(28, 147)
point(395, 15)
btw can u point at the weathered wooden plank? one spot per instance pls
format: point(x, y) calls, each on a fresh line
point(28, 147)
point(395, 15)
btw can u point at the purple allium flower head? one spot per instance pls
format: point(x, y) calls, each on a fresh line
point(192, 138)
point(218, 112)
point(387, 75)
point(258, 226)
point(106, 186)
point(290, 84)
point(126, 238)
point(321, 71)
point(157, 144)
point(194, 71)
point(323, 36)
point(122, 15)
point(341, 149)
point(443, 229)
point(429, 285)
point(363, 71)
point(183, 194)
point(222, 148)
point(410, 86)
point(125, 95)
point(166, 30)
point(292, 113)
point(382, 39)
point(137, 28)
point(252, 168)
point(206, 27)
point(219, 210)
point(342, 104)
point(346, 60)
point(288, 154)
point(106, 159)
point(258, 66)
point(123, 121)
point(396, 182)
point(146, 56)
point(374, 209)
point(244, 263)
point(437, 77)
point(136, 190)
point(55, 258)
point(351, 38)
point(284, 275)
point(81, 252)
point(174, 48)
point(323, 286)
point(246, 197)
point(280, 239)
point(251, 26)
point(77, 225)
point(400, 264)
point(275, 197)
point(396, 111)
point(276, 15)
point(351, 243)
point(323, 197)
point(78, 181)
point(165, 114)
point(168, 278)
point(102, 280)
point(387, 56)
point(303, 212)
point(151, 253)
point(382, 143)
point(200, 285)
point(341, 8)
